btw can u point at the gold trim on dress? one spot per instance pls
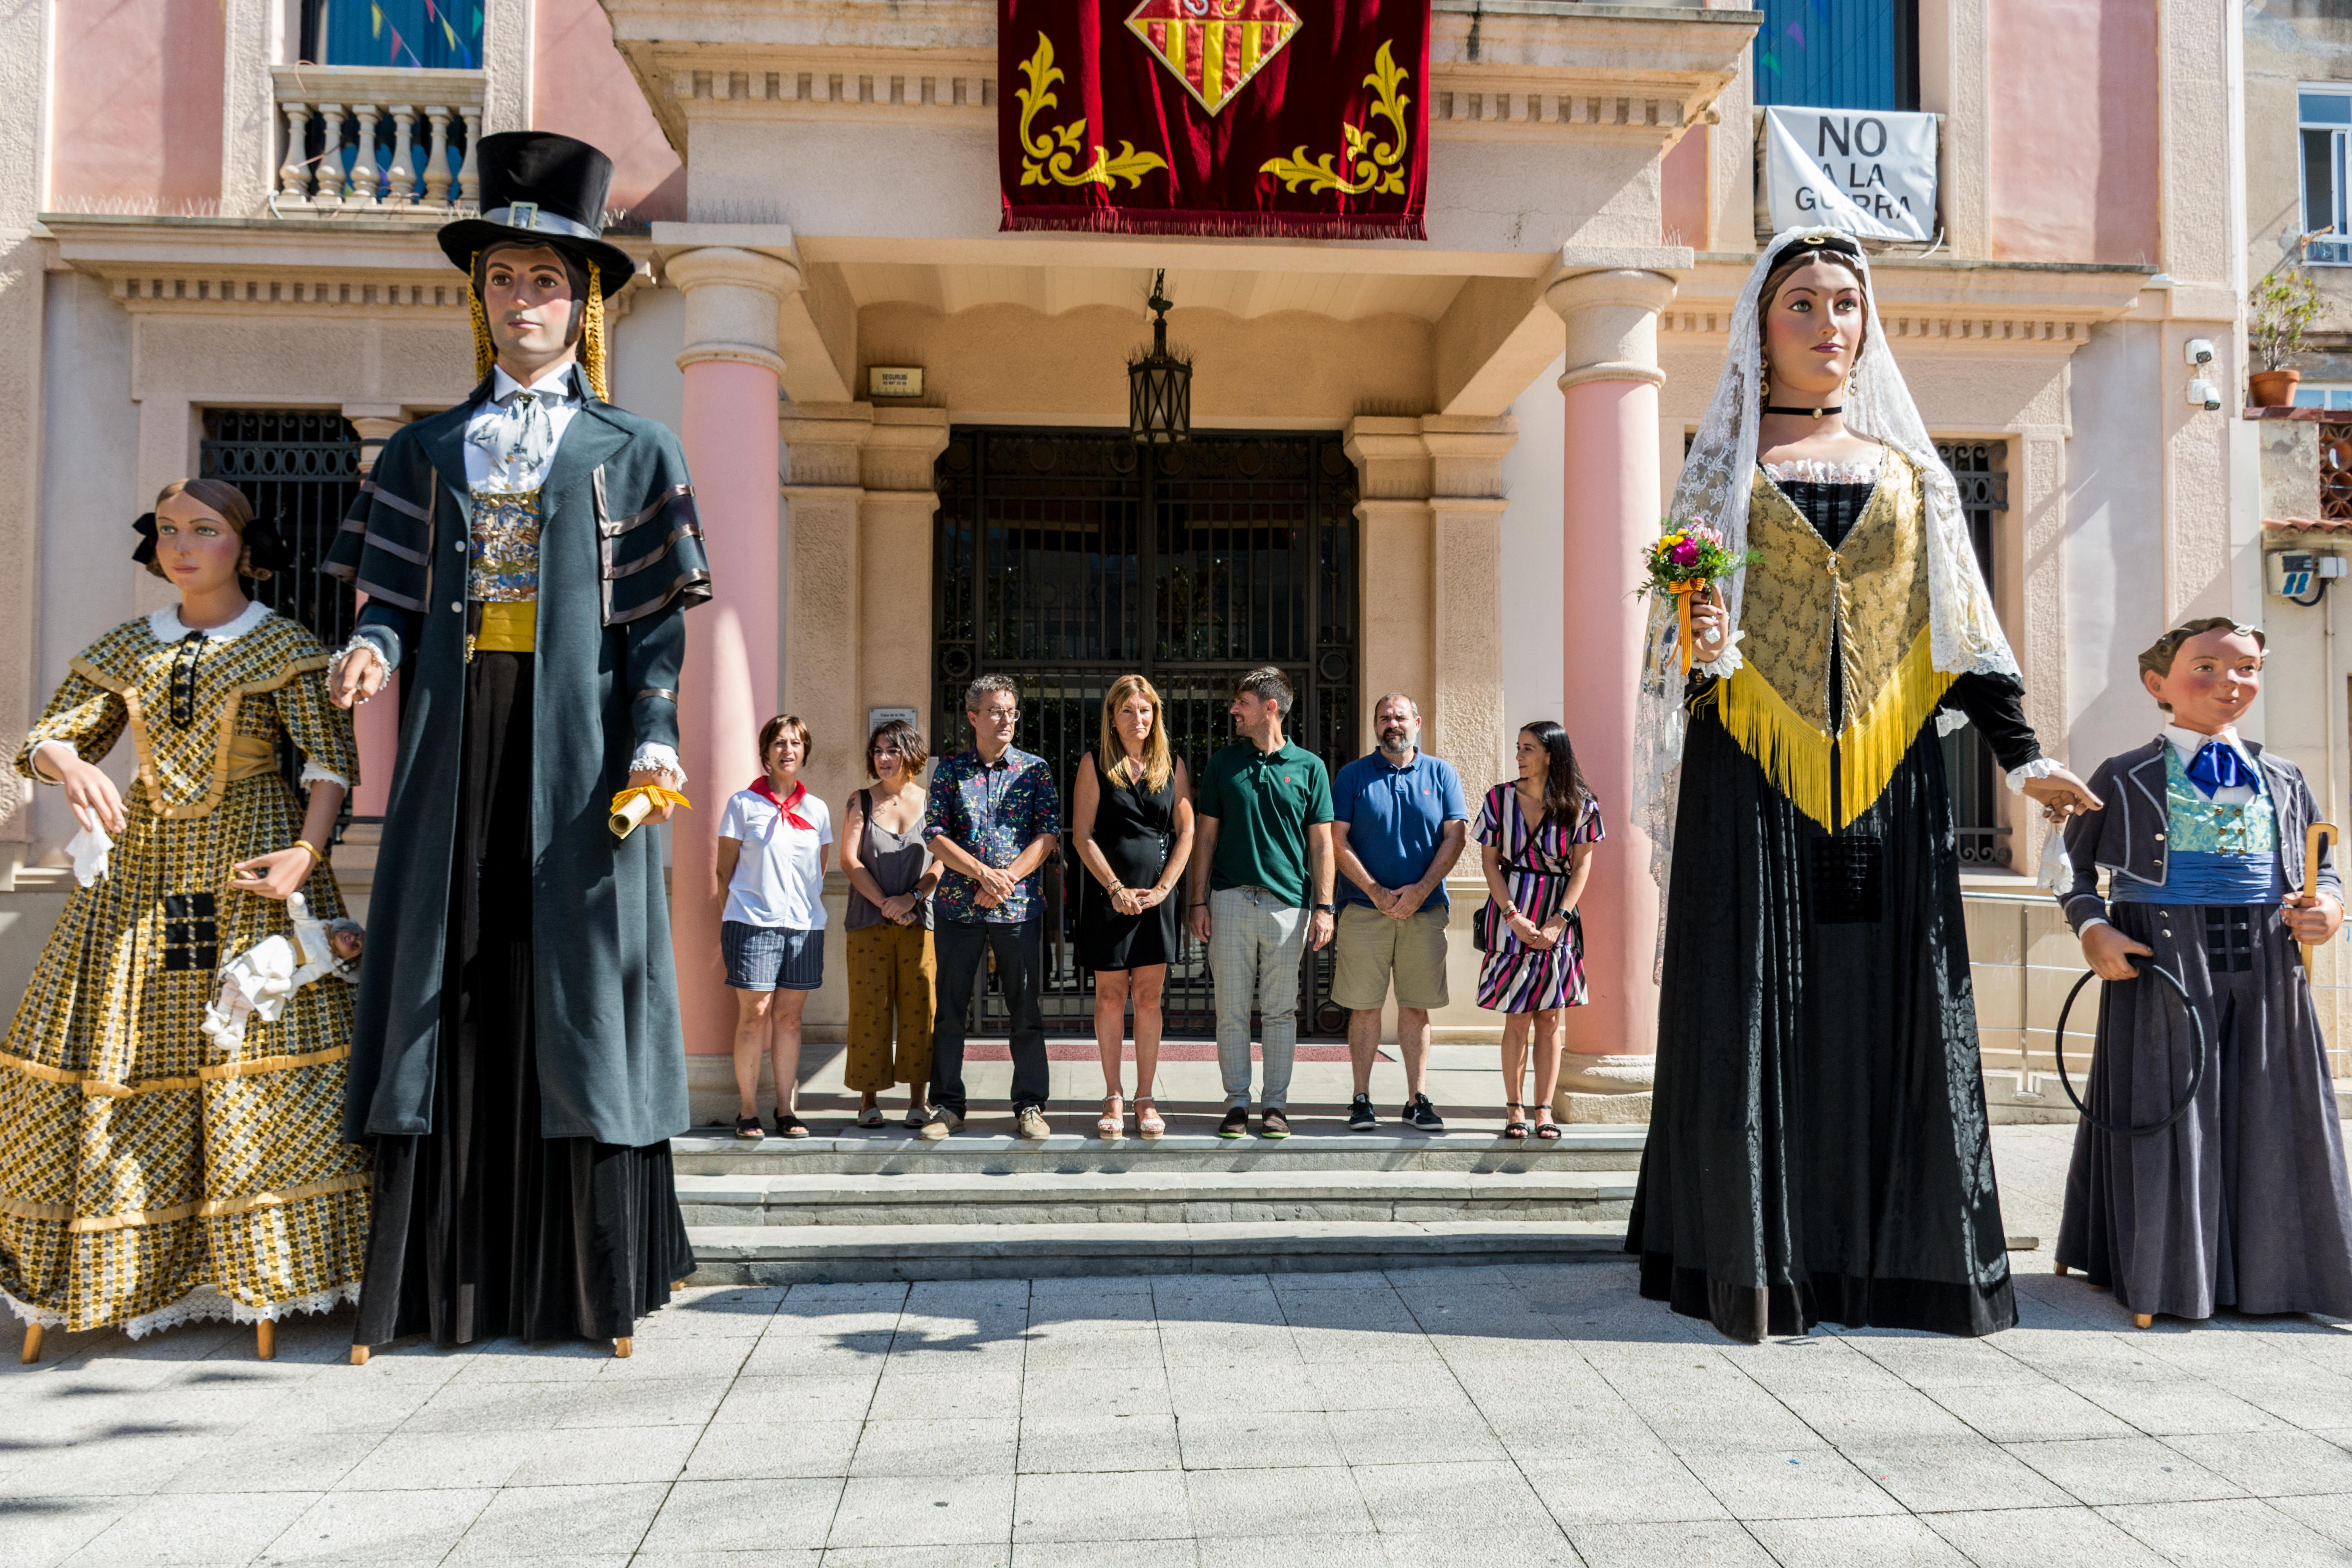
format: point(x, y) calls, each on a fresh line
point(224, 759)
point(215, 1208)
point(91, 1084)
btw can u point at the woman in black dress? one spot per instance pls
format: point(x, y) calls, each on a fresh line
point(1132, 823)
point(1817, 1145)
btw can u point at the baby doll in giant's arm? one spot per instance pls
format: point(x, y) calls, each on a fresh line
point(258, 980)
point(2205, 675)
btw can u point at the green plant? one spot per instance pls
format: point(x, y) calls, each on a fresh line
point(2283, 305)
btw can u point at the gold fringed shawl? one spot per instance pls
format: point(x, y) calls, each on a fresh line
point(1864, 604)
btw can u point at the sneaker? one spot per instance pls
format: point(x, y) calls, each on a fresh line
point(942, 1122)
point(1421, 1116)
point(1235, 1124)
point(1361, 1117)
point(1273, 1123)
point(1029, 1124)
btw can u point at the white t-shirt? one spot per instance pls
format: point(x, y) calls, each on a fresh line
point(780, 875)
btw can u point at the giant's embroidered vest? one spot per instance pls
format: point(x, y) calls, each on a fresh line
point(503, 573)
point(1864, 605)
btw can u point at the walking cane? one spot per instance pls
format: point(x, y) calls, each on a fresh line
point(2315, 841)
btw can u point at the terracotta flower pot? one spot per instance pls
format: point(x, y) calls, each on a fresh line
point(2272, 388)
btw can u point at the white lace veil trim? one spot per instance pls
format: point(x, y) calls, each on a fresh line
point(1717, 478)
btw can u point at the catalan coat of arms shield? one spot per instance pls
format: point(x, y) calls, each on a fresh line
point(1213, 47)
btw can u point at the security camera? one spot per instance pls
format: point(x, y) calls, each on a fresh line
point(2198, 352)
point(2203, 393)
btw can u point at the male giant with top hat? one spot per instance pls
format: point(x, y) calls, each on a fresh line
point(527, 557)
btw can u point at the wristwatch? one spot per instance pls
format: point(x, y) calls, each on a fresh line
point(1326, 908)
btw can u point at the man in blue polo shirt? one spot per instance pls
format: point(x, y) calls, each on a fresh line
point(1399, 826)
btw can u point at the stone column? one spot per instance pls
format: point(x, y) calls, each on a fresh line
point(1465, 723)
point(1609, 508)
point(1395, 562)
point(729, 688)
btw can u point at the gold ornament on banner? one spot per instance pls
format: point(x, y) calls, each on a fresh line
point(1051, 157)
point(1377, 167)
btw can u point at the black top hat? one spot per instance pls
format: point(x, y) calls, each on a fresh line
point(539, 188)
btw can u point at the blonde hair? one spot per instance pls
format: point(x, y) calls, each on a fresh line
point(1110, 754)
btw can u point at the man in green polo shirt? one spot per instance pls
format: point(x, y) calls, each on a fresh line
point(1262, 843)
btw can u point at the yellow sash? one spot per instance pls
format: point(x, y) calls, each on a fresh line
point(508, 625)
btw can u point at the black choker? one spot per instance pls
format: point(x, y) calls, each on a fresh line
point(1808, 413)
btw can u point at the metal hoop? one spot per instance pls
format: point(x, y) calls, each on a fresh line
point(2196, 1070)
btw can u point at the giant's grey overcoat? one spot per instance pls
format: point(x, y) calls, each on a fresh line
point(621, 558)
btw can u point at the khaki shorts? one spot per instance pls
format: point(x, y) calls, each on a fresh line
point(1372, 948)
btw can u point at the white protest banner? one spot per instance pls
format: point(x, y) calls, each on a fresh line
point(1868, 172)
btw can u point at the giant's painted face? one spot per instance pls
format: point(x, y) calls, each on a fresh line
point(1812, 331)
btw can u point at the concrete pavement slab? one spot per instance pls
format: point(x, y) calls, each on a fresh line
point(1318, 1501)
point(943, 1445)
point(2037, 1537)
point(1892, 1541)
point(762, 1515)
point(378, 1526)
point(1938, 1474)
point(2226, 1534)
point(527, 1522)
point(914, 1510)
point(1109, 1508)
point(2273, 1464)
point(189, 1527)
point(1055, 1444)
point(2105, 1470)
point(605, 1456)
point(779, 1450)
point(1691, 1543)
point(1811, 1482)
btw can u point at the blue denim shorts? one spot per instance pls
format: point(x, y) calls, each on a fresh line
point(771, 958)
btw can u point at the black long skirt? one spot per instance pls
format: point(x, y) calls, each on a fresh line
point(1818, 1143)
point(484, 1228)
point(2243, 1202)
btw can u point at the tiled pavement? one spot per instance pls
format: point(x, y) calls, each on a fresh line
point(1422, 1418)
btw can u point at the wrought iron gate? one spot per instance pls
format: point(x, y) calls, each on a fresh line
point(300, 469)
point(1967, 759)
point(1068, 558)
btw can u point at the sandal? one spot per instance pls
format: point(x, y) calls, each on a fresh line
point(1548, 1130)
point(1113, 1121)
point(917, 1115)
point(1513, 1128)
point(871, 1117)
point(1146, 1117)
point(790, 1126)
point(748, 1127)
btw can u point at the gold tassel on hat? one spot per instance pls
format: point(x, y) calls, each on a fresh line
point(591, 337)
point(485, 352)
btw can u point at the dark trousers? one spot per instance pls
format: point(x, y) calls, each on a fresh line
point(961, 949)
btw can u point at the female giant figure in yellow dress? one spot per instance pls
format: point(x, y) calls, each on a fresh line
point(153, 1173)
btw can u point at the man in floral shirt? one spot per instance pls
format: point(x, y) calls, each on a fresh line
point(992, 820)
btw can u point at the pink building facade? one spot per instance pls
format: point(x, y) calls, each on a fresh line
point(1489, 420)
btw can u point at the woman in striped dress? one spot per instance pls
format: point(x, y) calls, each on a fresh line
point(1538, 835)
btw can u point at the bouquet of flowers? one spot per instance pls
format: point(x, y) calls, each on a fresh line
point(1687, 557)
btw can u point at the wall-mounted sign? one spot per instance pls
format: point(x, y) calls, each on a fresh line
point(894, 381)
point(877, 716)
point(1867, 173)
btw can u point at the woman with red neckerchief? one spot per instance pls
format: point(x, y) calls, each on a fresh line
point(773, 841)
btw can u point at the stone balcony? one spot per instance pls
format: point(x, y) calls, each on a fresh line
point(367, 141)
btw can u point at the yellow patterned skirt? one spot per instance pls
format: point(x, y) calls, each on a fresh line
point(147, 1177)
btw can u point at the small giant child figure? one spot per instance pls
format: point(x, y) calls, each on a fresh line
point(2241, 1203)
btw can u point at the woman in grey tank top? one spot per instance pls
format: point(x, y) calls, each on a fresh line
point(890, 924)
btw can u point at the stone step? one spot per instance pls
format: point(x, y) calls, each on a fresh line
point(781, 1254)
point(1149, 1196)
point(895, 1150)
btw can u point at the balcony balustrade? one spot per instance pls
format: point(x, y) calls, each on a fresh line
point(372, 141)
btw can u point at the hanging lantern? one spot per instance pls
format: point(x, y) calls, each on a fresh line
point(1159, 383)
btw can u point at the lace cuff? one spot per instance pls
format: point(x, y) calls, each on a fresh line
point(313, 774)
point(1723, 665)
point(41, 777)
point(651, 758)
point(371, 639)
point(1948, 719)
point(2038, 768)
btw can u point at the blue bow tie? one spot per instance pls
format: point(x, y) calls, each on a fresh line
point(2218, 767)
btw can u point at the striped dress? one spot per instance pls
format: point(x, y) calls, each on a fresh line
point(1514, 977)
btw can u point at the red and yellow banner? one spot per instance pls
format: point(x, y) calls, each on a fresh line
point(1287, 118)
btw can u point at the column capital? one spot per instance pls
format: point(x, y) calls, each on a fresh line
point(1613, 323)
point(734, 292)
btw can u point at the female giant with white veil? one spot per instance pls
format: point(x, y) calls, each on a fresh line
point(1818, 1144)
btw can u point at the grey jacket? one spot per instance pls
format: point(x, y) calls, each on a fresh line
point(2127, 837)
